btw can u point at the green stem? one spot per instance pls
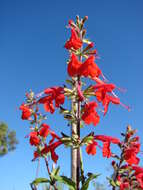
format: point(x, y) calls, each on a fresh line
point(54, 185)
point(81, 167)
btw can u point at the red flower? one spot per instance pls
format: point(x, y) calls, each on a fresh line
point(53, 94)
point(107, 140)
point(57, 94)
point(139, 174)
point(137, 169)
point(107, 100)
point(73, 66)
point(101, 91)
point(90, 115)
point(36, 155)
point(91, 148)
point(48, 103)
point(89, 68)
point(106, 150)
point(74, 41)
point(51, 148)
point(139, 178)
point(131, 152)
point(124, 185)
point(26, 113)
point(130, 156)
point(44, 131)
point(34, 139)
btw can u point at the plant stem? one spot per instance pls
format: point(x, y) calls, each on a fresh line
point(47, 166)
point(78, 133)
point(81, 168)
point(73, 151)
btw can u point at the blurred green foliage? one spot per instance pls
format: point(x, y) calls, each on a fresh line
point(8, 139)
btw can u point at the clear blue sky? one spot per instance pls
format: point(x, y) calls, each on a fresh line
point(32, 36)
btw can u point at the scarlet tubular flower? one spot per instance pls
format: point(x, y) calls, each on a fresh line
point(53, 94)
point(107, 140)
point(48, 104)
point(34, 139)
point(124, 185)
point(26, 113)
point(74, 41)
point(101, 91)
point(91, 148)
point(90, 115)
point(138, 174)
point(73, 66)
point(51, 148)
point(131, 151)
point(57, 94)
point(130, 156)
point(45, 130)
point(89, 68)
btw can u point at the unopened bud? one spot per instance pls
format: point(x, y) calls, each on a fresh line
point(92, 52)
point(113, 163)
point(77, 19)
point(129, 128)
point(83, 33)
point(88, 47)
point(91, 45)
point(84, 19)
point(70, 22)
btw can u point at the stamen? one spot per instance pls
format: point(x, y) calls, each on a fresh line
point(125, 106)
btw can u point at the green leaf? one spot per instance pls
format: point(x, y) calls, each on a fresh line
point(67, 181)
point(87, 139)
point(89, 179)
point(70, 82)
point(41, 180)
point(55, 171)
point(64, 111)
point(112, 182)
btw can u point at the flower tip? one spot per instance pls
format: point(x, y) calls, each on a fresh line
point(70, 22)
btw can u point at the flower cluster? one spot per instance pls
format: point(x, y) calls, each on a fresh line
point(40, 131)
point(82, 65)
point(127, 173)
point(88, 103)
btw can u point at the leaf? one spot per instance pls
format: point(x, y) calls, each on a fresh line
point(55, 171)
point(89, 179)
point(41, 180)
point(112, 182)
point(70, 82)
point(67, 181)
point(87, 139)
point(64, 111)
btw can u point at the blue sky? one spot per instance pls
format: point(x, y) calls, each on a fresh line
point(32, 36)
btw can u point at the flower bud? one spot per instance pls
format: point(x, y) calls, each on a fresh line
point(84, 19)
